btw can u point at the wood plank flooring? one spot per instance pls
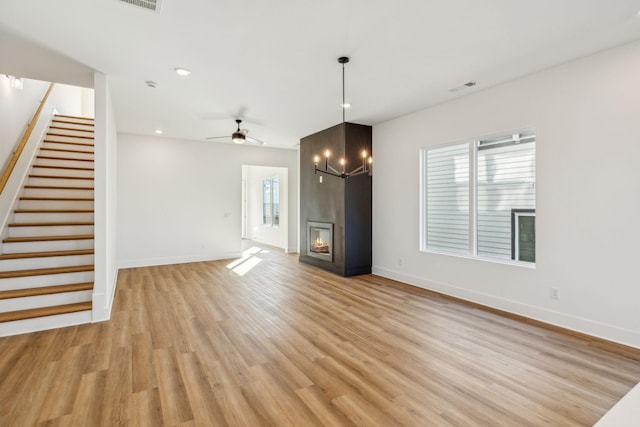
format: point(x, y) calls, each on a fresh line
point(286, 344)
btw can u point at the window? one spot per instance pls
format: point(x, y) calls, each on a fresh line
point(275, 201)
point(479, 198)
point(271, 201)
point(266, 201)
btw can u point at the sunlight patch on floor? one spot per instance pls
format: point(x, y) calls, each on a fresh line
point(249, 260)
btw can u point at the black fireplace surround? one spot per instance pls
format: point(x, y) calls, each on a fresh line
point(345, 204)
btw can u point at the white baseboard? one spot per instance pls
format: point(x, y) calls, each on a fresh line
point(148, 262)
point(44, 323)
point(563, 320)
point(101, 309)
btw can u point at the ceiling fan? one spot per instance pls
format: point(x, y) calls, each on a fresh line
point(240, 136)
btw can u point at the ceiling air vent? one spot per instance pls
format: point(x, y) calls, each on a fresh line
point(153, 5)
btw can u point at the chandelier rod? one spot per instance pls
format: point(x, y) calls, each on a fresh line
point(343, 60)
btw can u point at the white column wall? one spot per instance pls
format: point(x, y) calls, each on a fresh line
point(105, 216)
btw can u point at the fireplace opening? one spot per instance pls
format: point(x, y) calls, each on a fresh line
point(320, 240)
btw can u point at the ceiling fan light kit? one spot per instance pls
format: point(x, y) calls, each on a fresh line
point(240, 136)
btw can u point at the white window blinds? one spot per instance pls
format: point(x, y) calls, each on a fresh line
point(447, 183)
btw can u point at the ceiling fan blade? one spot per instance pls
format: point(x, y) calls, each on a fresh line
point(219, 137)
point(255, 141)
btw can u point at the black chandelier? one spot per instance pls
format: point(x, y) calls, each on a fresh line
point(365, 167)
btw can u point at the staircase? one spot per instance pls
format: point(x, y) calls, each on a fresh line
point(46, 262)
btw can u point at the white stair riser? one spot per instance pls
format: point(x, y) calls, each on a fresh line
point(61, 182)
point(54, 245)
point(45, 262)
point(45, 280)
point(56, 192)
point(54, 230)
point(52, 217)
point(44, 323)
point(27, 303)
point(70, 123)
point(61, 172)
point(52, 136)
point(86, 148)
point(66, 154)
point(55, 204)
point(68, 131)
point(70, 163)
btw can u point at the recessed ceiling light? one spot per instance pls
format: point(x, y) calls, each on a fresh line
point(182, 71)
point(159, 131)
point(345, 105)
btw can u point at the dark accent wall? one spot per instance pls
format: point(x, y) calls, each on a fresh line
point(344, 202)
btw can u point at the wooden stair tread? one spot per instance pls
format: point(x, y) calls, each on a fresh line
point(56, 187)
point(60, 177)
point(76, 199)
point(49, 224)
point(68, 136)
point(47, 254)
point(46, 290)
point(85, 144)
point(64, 158)
point(66, 128)
point(53, 211)
point(45, 271)
point(63, 167)
point(72, 123)
point(47, 238)
point(44, 311)
point(74, 117)
point(62, 150)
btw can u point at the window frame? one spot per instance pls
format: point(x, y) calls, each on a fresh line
point(473, 146)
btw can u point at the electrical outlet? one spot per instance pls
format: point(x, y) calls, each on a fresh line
point(555, 293)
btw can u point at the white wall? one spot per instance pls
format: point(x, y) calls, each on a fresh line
point(180, 201)
point(88, 102)
point(18, 106)
point(16, 109)
point(105, 216)
point(70, 100)
point(587, 117)
point(254, 175)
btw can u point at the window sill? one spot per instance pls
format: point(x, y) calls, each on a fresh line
point(529, 265)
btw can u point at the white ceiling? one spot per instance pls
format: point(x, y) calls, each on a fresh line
point(275, 62)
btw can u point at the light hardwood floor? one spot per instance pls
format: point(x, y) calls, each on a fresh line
point(286, 344)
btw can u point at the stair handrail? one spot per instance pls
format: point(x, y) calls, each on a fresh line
point(6, 173)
